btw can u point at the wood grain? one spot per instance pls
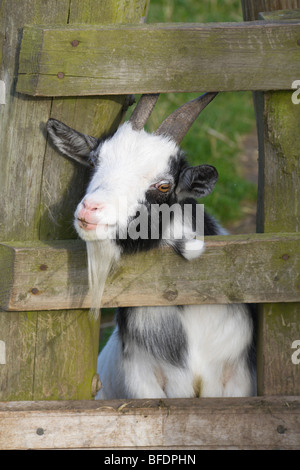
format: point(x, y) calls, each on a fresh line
point(242, 268)
point(251, 9)
point(49, 355)
point(278, 211)
point(206, 423)
point(158, 58)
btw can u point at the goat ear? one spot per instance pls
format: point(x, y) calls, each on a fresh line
point(72, 143)
point(197, 181)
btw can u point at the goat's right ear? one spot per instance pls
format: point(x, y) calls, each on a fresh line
point(72, 143)
point(197, 181)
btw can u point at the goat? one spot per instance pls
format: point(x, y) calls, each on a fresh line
point(155, 352)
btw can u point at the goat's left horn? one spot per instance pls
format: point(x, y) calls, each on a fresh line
point(178, 123)
point(143, 110)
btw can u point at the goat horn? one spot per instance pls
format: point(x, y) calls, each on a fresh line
point(178, 123)
point(143, 110)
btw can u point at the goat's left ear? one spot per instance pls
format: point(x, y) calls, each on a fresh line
point(72, 143)
point(197, 181)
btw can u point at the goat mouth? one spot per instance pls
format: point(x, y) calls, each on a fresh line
point(101, 228)
point(88, 225)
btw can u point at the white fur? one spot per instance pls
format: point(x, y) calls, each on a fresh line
point(101, 258)
point(216, 364)
point(128, 164)
point(193, 249)
point(218, 336)
point(171, 351)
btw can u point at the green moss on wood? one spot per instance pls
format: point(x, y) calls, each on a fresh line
point(133, 58)
point(279, 180)
point(282, 169)
point(280, 15)
point(60, 337)
point(224, 273)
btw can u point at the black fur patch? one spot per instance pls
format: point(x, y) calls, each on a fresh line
point(210, 226)
point(177, 164)
point(167, 341)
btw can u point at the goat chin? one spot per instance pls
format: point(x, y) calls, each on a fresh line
point(102, 256)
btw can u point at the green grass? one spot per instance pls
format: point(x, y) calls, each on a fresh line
point(196, 11)
point(216, 136)
point(216, 139)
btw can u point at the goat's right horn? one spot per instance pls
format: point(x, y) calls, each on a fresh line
point(143, 110)
point(178, 123)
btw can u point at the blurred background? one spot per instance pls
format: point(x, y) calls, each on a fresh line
point(223, 136)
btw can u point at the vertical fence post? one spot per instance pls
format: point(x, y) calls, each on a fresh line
point(48, 355)
point(278, 211)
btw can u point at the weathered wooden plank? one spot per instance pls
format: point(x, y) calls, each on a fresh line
point(280, 15)
point(208, 423)
point(48, 354)
point(244, 268)
point(251, 9)
point(21, 168)
point(279, 328)
point(158, 58)
point(278, 211)
point(279, 181)
point(18, 332)
point(21, 141)
point(280, 196)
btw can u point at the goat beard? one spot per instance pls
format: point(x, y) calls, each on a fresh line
point(102, 257)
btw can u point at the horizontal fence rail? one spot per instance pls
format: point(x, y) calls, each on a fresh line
point(242, 268)
point(97, 60)
point(222, 423)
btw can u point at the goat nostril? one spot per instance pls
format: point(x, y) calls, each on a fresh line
point(91, 206)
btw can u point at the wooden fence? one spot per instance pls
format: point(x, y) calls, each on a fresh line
point(48, 342)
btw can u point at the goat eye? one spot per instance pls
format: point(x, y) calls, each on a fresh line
point(164, 187)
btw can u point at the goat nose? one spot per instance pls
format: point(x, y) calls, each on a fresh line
point(90, 205)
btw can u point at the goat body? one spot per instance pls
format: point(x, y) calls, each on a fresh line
point(188, 351)
point(155, 352)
